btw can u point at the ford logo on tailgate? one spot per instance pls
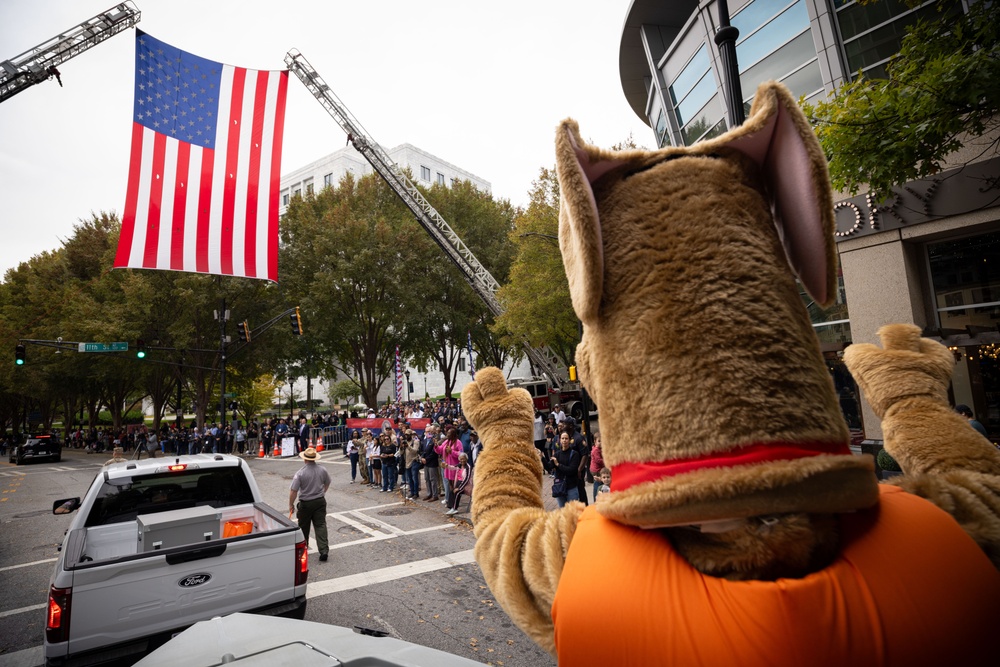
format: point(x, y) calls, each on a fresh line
point(193, 580)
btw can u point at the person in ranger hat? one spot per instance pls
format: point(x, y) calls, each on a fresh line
point(310, 484)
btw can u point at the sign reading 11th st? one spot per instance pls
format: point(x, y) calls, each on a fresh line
point(103, 347)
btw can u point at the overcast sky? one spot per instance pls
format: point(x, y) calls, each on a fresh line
point(479, 84)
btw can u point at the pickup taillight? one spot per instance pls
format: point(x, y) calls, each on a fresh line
point(57, 620)
point(301, 563)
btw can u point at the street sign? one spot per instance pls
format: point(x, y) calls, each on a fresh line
point(103, 347)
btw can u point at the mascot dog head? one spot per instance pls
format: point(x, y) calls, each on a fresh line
point(715, 401)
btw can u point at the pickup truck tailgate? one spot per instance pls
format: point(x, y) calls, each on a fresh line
point(168, 590)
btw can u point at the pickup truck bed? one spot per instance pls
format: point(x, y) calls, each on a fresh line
point(158, 547)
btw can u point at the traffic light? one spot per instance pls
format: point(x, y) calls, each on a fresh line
point(19, 354)
point(140, 348)
point(243, 329)
point(296, 318)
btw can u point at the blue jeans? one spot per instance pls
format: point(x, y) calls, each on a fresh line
point(572, 493)
point(354, 465)
point(388, 477)
point(413, 479)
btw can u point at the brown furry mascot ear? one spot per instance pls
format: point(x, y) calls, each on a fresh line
point(678, 266)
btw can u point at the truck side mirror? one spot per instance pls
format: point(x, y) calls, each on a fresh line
point(65, 506)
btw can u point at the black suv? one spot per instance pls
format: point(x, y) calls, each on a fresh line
point(37, 447)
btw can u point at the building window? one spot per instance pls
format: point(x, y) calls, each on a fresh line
point(661, 127)
point(966, 278)
point(965, 275)
point(297, 192)
point(425, 173)
point(872, 33)
point(440, 178)
point(309, 188)
point(461, 363)
point(690, 78)
point(759, 38)
point(328, 181)
point(284, 199)
point(694, 96)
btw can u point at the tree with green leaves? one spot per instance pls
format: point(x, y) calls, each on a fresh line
point(535, 300)
point(351, 256)
point(942, 92)
point(453, 310)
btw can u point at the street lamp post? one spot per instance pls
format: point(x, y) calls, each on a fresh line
point(406, 373)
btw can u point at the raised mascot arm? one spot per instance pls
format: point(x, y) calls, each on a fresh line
point(943, 458)
point(520, 547)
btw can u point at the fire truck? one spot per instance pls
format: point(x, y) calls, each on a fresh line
point(545, 397)
point(559, 384)
point(40, 63)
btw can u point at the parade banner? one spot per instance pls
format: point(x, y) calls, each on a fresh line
point(378, 425)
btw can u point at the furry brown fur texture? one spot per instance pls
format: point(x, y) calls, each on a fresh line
point(696, 344)
point(944, 459)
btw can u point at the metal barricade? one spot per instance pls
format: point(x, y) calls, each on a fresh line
point(331, 437)
point(338, 437)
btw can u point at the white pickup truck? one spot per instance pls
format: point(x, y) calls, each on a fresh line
point(161, 544)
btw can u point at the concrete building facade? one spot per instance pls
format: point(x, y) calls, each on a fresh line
point(425, 169)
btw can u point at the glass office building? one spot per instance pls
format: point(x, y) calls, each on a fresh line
point(925, 256)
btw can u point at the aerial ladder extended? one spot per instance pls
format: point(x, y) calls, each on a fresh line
point(40, 63)
point(478, 277)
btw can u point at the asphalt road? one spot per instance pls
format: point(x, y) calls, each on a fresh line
point(399, 567)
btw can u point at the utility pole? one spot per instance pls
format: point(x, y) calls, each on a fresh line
point(180, 384)
point(725, 39)
point(222, 315)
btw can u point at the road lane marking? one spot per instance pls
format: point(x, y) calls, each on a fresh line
point(385, 574)
point(22, 610)
point(36, 562)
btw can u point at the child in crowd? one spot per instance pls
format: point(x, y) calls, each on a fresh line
point(462, 482)
point(596, 463)
point(604, 477)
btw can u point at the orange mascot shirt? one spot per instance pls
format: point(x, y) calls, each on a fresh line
point(910, 587)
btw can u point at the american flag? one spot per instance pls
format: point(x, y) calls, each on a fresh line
point(205, 165)
point(472, 360)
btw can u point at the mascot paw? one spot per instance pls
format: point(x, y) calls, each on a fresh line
point(906, 365)
point(501, 416)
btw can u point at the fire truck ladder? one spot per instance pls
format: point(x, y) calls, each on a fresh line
point(39, 64)
point(479, 278)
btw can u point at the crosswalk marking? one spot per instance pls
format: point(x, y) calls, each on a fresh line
point(385, 574)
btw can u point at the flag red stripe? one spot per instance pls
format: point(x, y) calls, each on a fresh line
point(253, 176)
point(272, 213)
point(181, 189)
point(155, 196)
point(204, 210)
point(232, 162)
point(131, 199)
